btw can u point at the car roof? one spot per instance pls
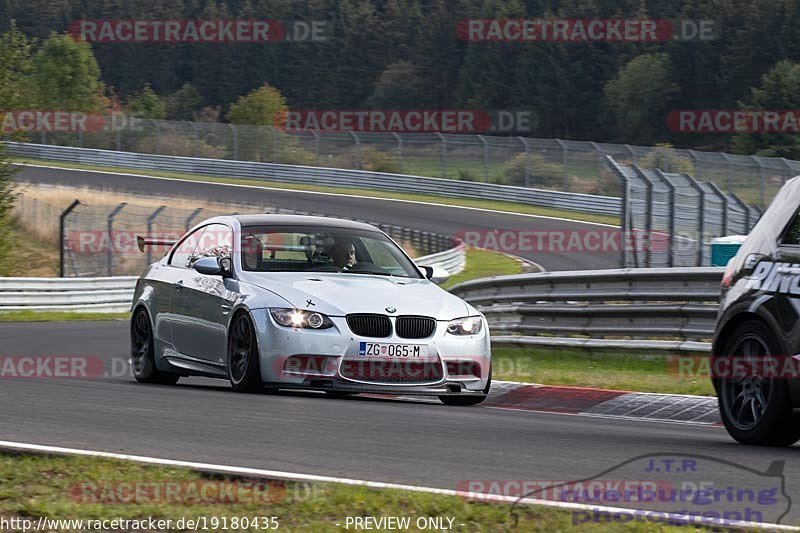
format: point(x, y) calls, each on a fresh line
point(268, 219)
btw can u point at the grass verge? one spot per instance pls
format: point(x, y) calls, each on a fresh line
point(483, 264)
point(57, 316)
point(510, 207)
point(606, 369)
point(59, 487)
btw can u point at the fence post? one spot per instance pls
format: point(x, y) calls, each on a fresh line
point(724, 206)
point(650, 213)
point(399, 149)
point(527, 160)
point(234, 142)
point(624, 214)
point(158, 137)
point(485, 158)
point(119, 139)
point(316, 146)
point(192, 216)
point(110, 229)
point(150, 220)
point(357, 144)
point(565, 185)
point(672, 222)
point(443, 142)
point(61, 237)
point(701, 216)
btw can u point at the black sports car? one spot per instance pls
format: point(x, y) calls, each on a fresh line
point(755, 362)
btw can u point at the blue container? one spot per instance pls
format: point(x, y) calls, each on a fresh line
point(723, 249)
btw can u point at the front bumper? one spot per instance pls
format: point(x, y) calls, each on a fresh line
point(456, 365)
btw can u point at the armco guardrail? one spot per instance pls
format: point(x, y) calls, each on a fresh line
point(653, 309)
point(105, 295)
point(331, 177)
point(115, 294)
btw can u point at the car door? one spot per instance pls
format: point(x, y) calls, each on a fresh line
point(788, 288)
point(202, 301)
point(170, 281)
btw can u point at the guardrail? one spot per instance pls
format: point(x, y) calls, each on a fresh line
point(115, 294)
point(649, 309)
point(330, 177)
point(103, 295)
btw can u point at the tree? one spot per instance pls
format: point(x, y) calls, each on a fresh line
point(66, 75)
point(398, 87)
point(780, 90)
point(264, 106)
point(147, 104)
point(184, 103)
point(15, 68)
point(7, 198)
point(639, 98)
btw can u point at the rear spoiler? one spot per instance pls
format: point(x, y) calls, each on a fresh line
point(142, 242)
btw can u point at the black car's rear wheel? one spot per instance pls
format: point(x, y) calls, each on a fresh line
point(755, 408)
point(143, 352)
point(244, 370)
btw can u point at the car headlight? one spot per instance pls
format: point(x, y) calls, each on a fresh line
point(465, 326)
point(297, 318)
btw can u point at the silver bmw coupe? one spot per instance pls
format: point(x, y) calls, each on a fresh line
point(283, 301)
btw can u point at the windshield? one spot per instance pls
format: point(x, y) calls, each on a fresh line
point(322, 249)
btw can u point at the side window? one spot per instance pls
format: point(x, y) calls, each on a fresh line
point(215, 241)
point(185, 249)
point(792, 235)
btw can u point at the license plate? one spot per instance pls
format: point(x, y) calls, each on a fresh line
point(403, 351)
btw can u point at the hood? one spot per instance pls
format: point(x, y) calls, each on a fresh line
point(342, 294)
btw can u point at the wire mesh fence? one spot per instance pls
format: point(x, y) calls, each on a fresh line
point(572, 166)
point(669, 219)
point(101, 240)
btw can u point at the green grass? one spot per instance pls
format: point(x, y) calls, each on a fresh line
point(606, 369)
point(57, 316)
point(509, 207)
point(483, 264)
point(40, 485)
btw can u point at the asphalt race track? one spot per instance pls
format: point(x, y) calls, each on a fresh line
point(439, 219)
point(380, 440)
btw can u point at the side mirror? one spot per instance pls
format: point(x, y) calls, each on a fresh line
point(436, 273)
point(210, 266)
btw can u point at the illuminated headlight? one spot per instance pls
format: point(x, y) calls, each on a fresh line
point(296, 318)
point(465, 326)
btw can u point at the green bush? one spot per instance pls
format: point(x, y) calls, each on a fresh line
point(367, 158)
point(541, 172)
point(664, 157)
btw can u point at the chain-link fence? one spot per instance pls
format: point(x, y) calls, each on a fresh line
point(101, 240)
point(573, 166)
point(669, 219)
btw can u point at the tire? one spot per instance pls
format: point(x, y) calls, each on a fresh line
point(244, 369)
point(756, 410)
point(143, 352)
point(466, 401)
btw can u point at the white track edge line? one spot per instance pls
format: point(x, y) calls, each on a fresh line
point(291, 476)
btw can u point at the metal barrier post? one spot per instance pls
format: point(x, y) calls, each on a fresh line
point(357, 145)
point(527, 160)
point(485, 158)
point(110, 229)
point(191, 217)
point(61, 239)
point(672, 221)
point(443, 141)
point(565, 185)
point(399, 149)
point(701, 218)
point(234, 142)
